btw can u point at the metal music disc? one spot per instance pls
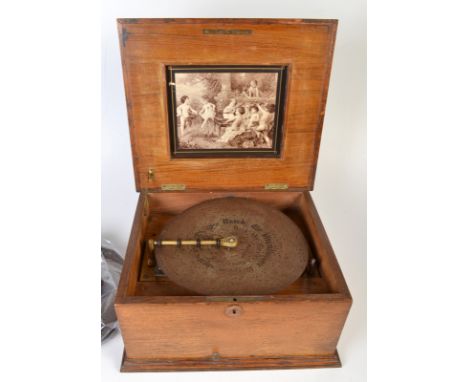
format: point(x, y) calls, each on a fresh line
point(270, 255)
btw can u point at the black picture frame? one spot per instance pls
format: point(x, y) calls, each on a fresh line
point(277, 129)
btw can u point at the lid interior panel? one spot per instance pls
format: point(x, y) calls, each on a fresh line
point(149, 46)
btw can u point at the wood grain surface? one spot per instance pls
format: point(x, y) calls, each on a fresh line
point(241, 363)
point(147, 46)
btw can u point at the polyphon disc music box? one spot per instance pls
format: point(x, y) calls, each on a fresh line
point(228, 264)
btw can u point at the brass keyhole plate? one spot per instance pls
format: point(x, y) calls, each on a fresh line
point(233, 311)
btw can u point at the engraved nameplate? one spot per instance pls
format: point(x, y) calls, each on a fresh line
point(228, 31)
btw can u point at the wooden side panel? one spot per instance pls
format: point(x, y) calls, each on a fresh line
point(147, 46)
point(129, 274)
point(176, 202)
point(322, 246)
point(199, 330)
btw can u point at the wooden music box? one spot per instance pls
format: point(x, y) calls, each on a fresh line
point(228, 108)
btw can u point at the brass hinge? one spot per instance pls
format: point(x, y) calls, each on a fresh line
point(173, 187)
point(276, 186)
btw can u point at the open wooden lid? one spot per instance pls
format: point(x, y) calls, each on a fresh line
point(151, 48)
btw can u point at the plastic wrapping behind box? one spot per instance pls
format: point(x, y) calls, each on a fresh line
point(111, 266)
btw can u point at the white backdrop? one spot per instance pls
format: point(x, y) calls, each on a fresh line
point(340, 186)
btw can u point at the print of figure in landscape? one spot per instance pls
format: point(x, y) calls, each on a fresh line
point(185, 114)
point(225, 110)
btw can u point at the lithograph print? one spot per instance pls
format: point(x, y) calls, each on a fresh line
point(226, 111)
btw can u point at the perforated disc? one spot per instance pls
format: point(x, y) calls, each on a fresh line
point(271, 252)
